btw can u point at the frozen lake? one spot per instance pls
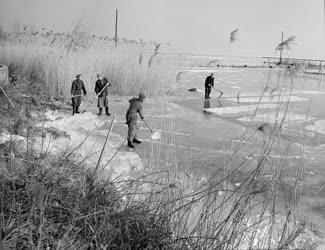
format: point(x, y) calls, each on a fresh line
point(203, 137)
point(199, 136)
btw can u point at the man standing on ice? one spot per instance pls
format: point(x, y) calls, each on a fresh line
point(101, 90)
point(209, 83)
point(76, 93)
point(135, 108)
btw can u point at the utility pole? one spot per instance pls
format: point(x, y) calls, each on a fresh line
point(324, 22)
point(116, 19)
point(282, 48)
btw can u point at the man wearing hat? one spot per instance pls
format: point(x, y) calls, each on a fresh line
point(76, 93)
point(101, 90)
point(135, 108)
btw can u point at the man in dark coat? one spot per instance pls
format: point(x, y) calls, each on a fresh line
point(209, 83)
point(101, 90)
point(135, 108)
point(76, 93)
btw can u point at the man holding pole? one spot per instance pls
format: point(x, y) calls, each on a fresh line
point(209, 83)
point(135, 108)
point(76, 93)
point(101, 90)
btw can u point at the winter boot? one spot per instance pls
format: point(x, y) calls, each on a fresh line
point(77, 110)
point(130, 144)
point(107, 113)
point(100, 111)
point(135, 140)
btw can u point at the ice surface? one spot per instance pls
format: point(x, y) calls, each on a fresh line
point(319, 127)
point(308, 92)
point(267, 99)
point(231, 110)
point(80, 126)
point(156, 135)
point(277, 117)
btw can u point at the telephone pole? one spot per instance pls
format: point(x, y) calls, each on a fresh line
point(282, 48)
point(116, 20)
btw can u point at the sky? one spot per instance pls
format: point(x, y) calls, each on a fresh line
point(200, 26)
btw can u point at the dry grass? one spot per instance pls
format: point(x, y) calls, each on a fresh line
point(53, 68)
point(212, 62)
point(234, 35)
point(232, 39)
point(286, 44)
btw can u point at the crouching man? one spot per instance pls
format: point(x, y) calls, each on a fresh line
point(101, 90)
point(135, 108)
point(76, 93)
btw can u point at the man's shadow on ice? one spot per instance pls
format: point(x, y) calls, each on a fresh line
point(207, 105)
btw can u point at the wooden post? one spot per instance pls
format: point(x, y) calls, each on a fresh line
point(282, 48)
point(116, 20)
point(321, 75)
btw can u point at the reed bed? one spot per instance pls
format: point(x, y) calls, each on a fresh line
point(52, 70)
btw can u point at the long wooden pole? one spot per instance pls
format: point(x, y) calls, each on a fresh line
point(107, 85)
point(116, 20)
point(7, 97)
point(103, 149)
